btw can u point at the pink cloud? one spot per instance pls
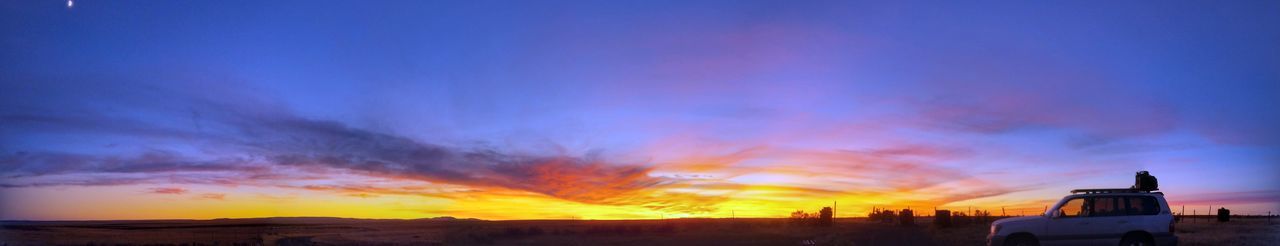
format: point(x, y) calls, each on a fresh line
point(213, 196)
point(167, 190)
point(1227, 198)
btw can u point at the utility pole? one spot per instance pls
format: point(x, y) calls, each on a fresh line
point(1183, 214)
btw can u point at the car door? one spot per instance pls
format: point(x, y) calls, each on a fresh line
point(1109, 220)
point(1070, 224)
point(1143, 214)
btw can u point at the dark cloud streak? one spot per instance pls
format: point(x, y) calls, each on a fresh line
point(262, 141)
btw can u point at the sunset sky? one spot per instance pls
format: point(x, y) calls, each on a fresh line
point(628, 109)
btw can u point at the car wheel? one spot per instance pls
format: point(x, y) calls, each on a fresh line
point(1022, 241)
point(1136, 241)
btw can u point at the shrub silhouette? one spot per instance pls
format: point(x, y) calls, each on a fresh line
point(799, 217)
point(981, 216)
point(942, 218)
point(882, 215)
point(907, 217)
point(824, 217)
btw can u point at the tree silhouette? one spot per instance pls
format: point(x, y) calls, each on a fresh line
point(799, 217)
point(824, 217)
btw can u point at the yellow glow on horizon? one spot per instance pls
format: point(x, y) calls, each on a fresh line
point(768, 192)
point(134, 202)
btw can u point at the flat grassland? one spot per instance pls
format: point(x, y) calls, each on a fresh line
point(671, 232)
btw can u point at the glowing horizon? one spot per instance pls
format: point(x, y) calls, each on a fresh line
point(202, 110)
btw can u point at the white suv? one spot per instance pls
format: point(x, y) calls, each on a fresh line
point(1093, 217)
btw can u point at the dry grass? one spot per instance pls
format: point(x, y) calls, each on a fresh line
point(326, 231)
point(1253, 231)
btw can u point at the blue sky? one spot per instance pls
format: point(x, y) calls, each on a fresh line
point(856, 99)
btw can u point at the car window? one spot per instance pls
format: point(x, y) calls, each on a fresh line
point(1105, 206)
point(1072, 208)
point(1141, 205)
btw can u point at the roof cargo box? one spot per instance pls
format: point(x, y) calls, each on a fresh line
point(1145, 182)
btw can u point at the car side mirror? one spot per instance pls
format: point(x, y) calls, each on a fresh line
point(1055, 214)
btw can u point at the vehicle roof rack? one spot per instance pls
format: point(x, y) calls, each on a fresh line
point(1104, 191)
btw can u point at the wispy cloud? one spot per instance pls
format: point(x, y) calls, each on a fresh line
point(207, 139)
point(213, 196)
point(269, 146)
point(167, 190)
point(280, 150)
point(1232, 197)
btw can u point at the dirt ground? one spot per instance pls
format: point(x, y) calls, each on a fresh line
point(1254, 231)
point(332, 231)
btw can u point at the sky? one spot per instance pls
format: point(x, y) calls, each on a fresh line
point(628, 109)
